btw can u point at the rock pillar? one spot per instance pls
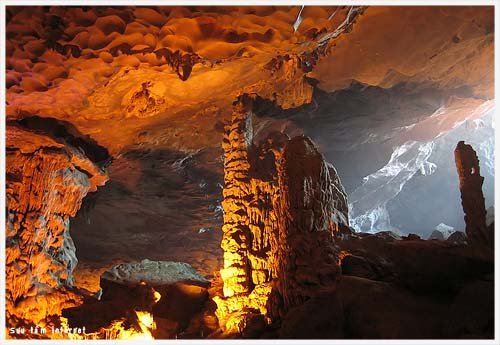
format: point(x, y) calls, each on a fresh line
point(304, 253)
point(471, 183)
point(236, 273)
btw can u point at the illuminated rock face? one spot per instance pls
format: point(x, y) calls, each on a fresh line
point(281, 212)
point(236, 271)
point(249, 220)
point(46, 182)
point(471, 183)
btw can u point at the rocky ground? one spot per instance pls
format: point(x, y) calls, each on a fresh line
point(390, 288)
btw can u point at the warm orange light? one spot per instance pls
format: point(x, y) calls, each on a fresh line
point(117, 331)
point(342, 255)
point(146, 323)
point(157, 296)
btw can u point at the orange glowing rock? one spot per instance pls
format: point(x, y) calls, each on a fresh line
point(46, 182)
point(115, 331)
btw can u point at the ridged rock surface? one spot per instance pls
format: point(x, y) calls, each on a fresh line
point(45, 184)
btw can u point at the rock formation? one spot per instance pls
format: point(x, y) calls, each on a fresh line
point(394, 288)
point(471, 183)
point(281, 212)
point(303, 249)
point(172, 292)
point(47, 178)
point(292, 88)
point(154, 86)
point(249, 219)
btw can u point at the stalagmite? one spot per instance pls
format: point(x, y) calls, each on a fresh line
point(471, 183)
point(46, 182)
point(236, 167)
point(303, 249)
point(248, 220)
point(278, 196)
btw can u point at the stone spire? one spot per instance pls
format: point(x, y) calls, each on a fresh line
point(471, 183)
point(236, 145)
point(303, 249)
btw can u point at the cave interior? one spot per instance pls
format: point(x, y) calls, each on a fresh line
point(257, 172)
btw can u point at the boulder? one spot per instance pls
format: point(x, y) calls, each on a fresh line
point(438, 267)
point(153, 273)
point(180, 303)
point(353, 265)
point(380, 310)
point(412, 237)
point(388, 236)
point(457, 237)
point(321, 317)
point(436, 235)
point(441, 232)
point(172, 291)
point(471, 315)
point(446, 230)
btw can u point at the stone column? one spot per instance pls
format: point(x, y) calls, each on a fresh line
point(281, 212)
point(249, 217)
point(235, 239)
point(304, 254)
point(471, 183)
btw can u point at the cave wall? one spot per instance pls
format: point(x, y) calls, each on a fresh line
point(46, 181)
point(133, 69)
point(55, 70)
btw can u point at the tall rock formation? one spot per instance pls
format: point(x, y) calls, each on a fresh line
point(236, 145)
point(304, 253)
point(46, 181)
point(249, 220)
point(471, 183)
point(281, 212)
